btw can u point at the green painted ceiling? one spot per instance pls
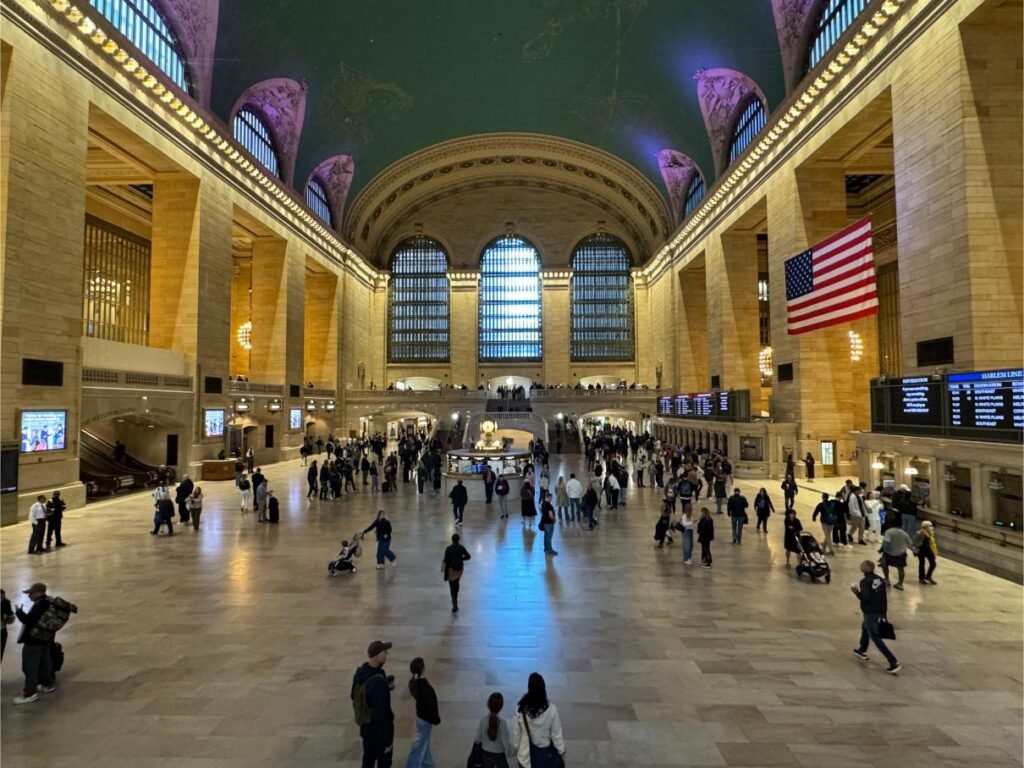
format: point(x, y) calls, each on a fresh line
point(388, 77)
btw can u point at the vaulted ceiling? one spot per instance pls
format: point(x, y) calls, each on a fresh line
point(391, 77)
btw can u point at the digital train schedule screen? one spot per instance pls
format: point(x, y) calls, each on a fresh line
point(984, 400)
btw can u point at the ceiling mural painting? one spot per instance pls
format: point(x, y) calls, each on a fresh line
point(390, 78)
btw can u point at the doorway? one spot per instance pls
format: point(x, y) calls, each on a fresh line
point(172, 451)
point(829, 467)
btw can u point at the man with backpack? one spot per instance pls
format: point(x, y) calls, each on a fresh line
point(38, 633)
point(371, 705)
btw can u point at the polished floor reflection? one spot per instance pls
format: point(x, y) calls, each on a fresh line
point(231, 646)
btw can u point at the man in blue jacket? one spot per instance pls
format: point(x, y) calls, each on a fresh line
point(874, 605)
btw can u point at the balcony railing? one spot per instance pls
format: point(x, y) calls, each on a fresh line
point(418, 394)
point(113, 378)
point(255, 388)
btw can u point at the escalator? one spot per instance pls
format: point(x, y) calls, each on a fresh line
point(105, 475)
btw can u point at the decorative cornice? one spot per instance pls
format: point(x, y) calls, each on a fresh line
point(502, 156)
point(678, 170)
point(795, 21)
point(194, 23)
point(723, 94)
point(335, 174)
point(281, 101)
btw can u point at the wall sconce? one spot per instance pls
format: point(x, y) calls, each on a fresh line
point(877, 464)
point(995, 483)
point(764, 363)
point(310, 405)
point(911, 469)
point(948, 476)
point(244, 335)
point(856, 347)
point(330, 406)
point(274, 406)
point(243, 406)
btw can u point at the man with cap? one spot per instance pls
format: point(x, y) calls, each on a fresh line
point(36, 661)
point(379, 733)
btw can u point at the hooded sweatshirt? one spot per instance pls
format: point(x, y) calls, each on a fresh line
point(545, 729)
point(378, 698)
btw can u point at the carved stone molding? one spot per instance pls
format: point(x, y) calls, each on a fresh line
point(335, 174)
point(194, 23)
point(795, 21)
point(723, 95)
point(281, 101)
point(678, 170)
point(512, 159)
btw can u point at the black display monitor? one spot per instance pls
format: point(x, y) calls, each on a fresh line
point(915, 401)
point(984, 402)
point(665, 405)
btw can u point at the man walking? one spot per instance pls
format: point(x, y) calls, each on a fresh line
point(459, 497)
point(547, 522)
point(828, 521)
point(54, 519)
point(36, 637)
point(574, 490)
point(381, 527)
point(37, 516)
point(489, 480)
point(737, 509)
point(371, 702)
point(181, 494)
point(858, 514)
point(501, 487)
point(452, 567)
point(874, 606)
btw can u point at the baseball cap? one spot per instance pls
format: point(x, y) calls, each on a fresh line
point(377, 646)
point(37, 587)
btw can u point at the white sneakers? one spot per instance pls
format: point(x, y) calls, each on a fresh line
point(26, 699)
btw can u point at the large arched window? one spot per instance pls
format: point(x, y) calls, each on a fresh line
point(252, 133)
point(694, 194)
point(751, 121)
point(601, 301)
point(144, 26)
point(835, 19)
point(418, 329)
point(316, 199)
point(510, 312)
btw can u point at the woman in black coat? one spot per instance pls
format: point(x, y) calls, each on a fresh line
point(705, 535)
point(792, 526)
point(527, 506)
point(763, 507)
point(451, 566)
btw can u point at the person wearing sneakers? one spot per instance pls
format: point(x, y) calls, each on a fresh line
point(874, 607)
point(381, 527)
point(895, 544)
point(371, 700)
point(927, 549)
point(36, 642)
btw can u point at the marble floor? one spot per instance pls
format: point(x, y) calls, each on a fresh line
point(230, 647)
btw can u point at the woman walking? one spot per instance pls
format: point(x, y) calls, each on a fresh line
point(381, 527)
point(537, 729)
point(561, 499)
point(451, 566)
point(427, 716)
point(501, 488)
point(493, 736)
point(763, 507)
point(685, 524)
point(791, 541)
point(245, 489)
point(526, 504)
point(927, 549)
point(705, 535)
point(311, 477)
point(195, 506)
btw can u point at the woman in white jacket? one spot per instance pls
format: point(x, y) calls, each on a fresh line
point(536, 722)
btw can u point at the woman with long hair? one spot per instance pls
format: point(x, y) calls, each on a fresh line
point(537, 729)
point(527, 505)
point(493, 736)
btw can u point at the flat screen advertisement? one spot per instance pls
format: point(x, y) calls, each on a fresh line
point(213, 422)
point(295, 419)
point(984, 400)
point(915, 401)
point(43, 431)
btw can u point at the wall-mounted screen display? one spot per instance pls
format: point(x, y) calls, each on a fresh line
point(916, 401)
point(43, 431)
point(213, 422)
point(295, 419)
point(683, 405)
point(721, 405)
point(664, 406)
point(986, 399)
point(704, 405)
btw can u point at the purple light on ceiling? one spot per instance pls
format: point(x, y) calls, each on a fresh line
point(335, 174)
point(194, 23)
point(677, 170)
point(723, 94)
point(281, 101)
point(794, 26)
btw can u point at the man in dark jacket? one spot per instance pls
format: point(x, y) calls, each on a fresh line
point(452, 567)
point(381, 527)
point(54, 518)
point(874, 606)
point(737, 509)
point(489, 480)
point(459, 496)
point(36, 659)
point(183, 491)
point(379, 733)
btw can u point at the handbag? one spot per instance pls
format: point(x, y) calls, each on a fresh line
point(886, 630)
point(542, 757)
point(476, 757)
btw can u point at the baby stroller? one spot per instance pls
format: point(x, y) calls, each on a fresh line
point(812, 560)
point(343, 562)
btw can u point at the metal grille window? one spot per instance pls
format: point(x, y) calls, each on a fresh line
point(835, 20)
point(252, 133)
point(748, 126)
point(510, 309)
point(601, 300)
point(316, 199)
point(115, 303)
point(146, 29)
point(694, 194)
point(418, 302)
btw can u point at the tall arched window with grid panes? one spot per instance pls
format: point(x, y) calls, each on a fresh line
point(836, 18)
point(694, 194)
point(142, 22)
point(418, 315)
point(601, 301)
point(510, 301)
point(251, 131)
point(752, 120)
point(316, 199)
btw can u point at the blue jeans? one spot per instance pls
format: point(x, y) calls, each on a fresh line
point(719, 501)
point(737, 529)
point(457, 512)
point(869, 631)
point(419, 750)
point(503, 504)
point(549, 531)
point(909, 524)
point(688, 544)
point(384, 550)
point(574, 509)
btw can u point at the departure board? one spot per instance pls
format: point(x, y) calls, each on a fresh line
point(915, 401)
point(704, 405)
point(684, 405)
point(665, 406)
point(984, 400)
point(723, 406)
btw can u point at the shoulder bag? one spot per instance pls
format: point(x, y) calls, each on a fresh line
point(542, 757)
point(886, 630)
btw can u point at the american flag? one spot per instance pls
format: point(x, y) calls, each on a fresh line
point(833, 282)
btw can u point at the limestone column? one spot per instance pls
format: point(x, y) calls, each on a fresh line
point(732, 309)
point(271, 296)
point(692, 327)
point(465, 322)
point(644, 333)
point(556, 321)
point(320, 337)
